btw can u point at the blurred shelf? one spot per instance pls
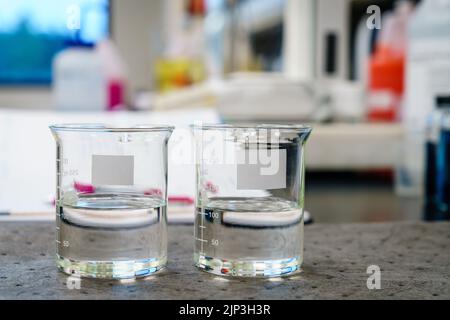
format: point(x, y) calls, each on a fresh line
point(353, 146)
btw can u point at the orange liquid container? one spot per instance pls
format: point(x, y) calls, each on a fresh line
point(386, 84)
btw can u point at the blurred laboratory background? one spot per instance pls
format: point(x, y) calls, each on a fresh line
point(371, 76)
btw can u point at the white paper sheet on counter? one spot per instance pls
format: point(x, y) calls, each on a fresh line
point(27, 152)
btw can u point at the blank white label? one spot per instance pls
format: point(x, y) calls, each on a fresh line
point(112, 170)
point(261, 169)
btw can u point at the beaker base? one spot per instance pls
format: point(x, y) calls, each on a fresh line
point(110, 269)
point(248, 268)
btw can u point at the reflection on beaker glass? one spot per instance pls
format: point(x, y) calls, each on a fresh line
point(111, 199)
point(249, 201)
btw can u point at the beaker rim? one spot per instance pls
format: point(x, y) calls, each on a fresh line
point(223, 126)
point(101, 127)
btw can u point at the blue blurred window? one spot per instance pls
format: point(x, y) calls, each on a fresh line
point(33, 31)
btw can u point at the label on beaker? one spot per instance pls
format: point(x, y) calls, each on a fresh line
point(261, 169)
point(112, 170)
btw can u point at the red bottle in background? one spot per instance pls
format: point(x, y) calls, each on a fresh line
point(386, 85)
point(387, 66)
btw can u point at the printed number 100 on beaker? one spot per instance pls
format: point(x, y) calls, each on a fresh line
point(249, 206)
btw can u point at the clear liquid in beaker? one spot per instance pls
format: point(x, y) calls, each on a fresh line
point(111, 236)
point(249, 237)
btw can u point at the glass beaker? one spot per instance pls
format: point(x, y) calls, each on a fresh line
point(111, 199)
point(249, 200)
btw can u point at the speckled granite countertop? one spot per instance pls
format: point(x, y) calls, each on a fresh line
point(414, 259)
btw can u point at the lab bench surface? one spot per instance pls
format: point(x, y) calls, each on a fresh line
point(414, 258)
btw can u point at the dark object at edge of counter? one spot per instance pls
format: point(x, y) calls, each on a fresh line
point(437, 171)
